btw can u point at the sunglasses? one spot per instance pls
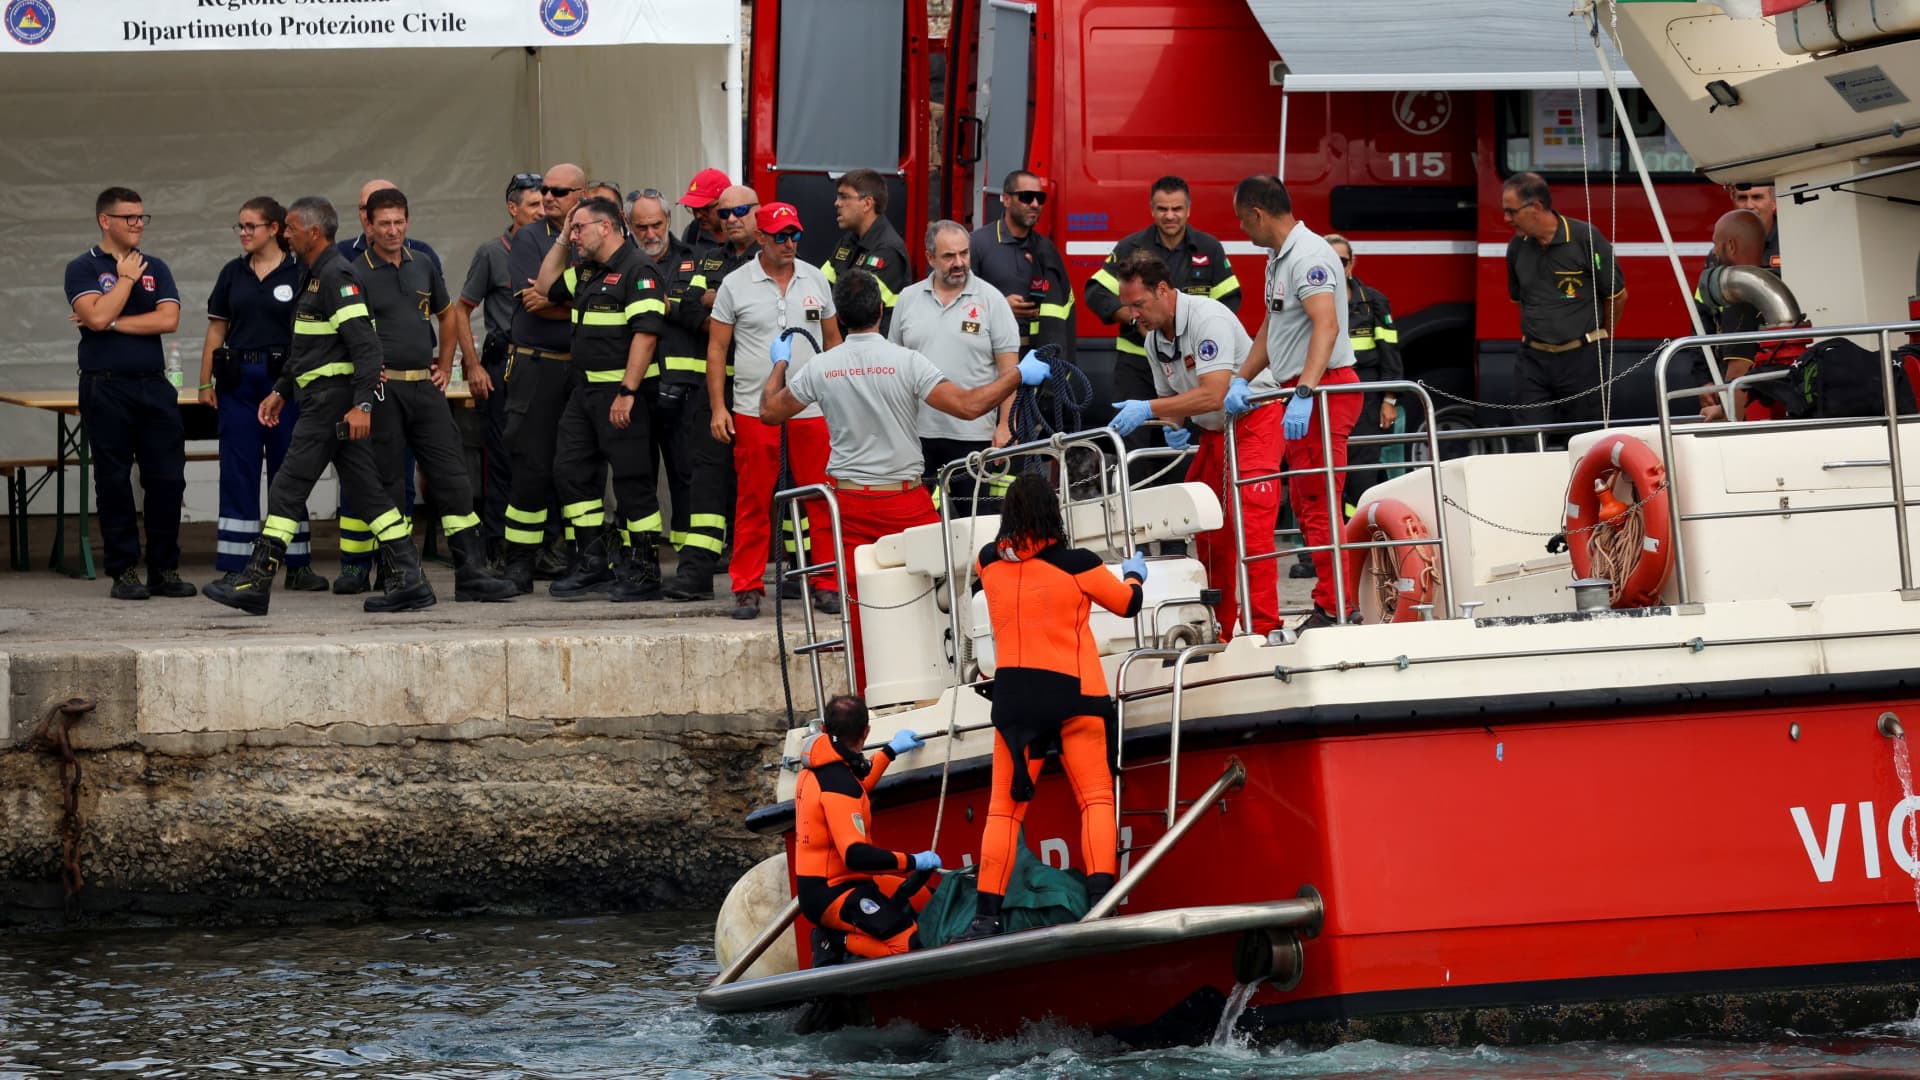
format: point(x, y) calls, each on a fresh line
point(1031, 198)
point(1348, 261)
point(524, 181)
point(557, 192)
point(132, 219)
point(737, 211)
point(791, 236)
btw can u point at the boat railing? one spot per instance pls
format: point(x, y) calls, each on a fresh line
point(1334, 477)
point(792, 501)
point(1232, 777)
point(1888, 421)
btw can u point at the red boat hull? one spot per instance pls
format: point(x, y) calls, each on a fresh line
point(1546, 859)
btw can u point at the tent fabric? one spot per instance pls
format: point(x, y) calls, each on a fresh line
point(199, 133)
point(1398, 45)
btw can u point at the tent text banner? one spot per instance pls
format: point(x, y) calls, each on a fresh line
point(191, 25)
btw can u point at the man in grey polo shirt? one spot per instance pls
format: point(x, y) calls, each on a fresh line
point(966, 327)
point(1303, 340)
point(484, 361)
point(874, 394)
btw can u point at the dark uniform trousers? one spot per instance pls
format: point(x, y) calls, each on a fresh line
point(322, 403)
point(496, 469)
point(698, 467)
point(414, 415)
point(587, 438)
point(129, 419)
point(1545, 376)
point(537, 389)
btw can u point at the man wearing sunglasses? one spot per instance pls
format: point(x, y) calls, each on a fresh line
point(703, 200)
point(869, 241)
point(757, 303)
point(488, 288)
point(123, 301)
point(539, 378)
point(1015, 258)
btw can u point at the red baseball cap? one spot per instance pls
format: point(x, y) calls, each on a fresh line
point(776, 217)
point(706, 186)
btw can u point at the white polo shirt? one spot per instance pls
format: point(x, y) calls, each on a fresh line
point(1207, 337)
point(1304, 266)
point(961, 339)
point(871, 390)
point(751, 302)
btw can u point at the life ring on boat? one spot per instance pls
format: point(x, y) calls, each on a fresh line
point(1402, 576)
point(1627, 543)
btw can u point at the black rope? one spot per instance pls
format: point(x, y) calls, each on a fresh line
point(1055, 407)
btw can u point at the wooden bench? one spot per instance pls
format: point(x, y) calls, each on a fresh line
point(21, 489)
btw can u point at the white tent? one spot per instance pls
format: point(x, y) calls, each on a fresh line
point(202, 104)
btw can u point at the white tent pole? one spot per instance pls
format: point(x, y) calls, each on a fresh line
point(735, 79)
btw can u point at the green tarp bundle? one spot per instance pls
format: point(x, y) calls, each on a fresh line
point(1037, 895)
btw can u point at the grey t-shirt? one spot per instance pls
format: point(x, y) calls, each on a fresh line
point(961, 338)
point(1304, 266)
point(487, 288)
point(1207, 337)
point(871, 391)
point(752, 303)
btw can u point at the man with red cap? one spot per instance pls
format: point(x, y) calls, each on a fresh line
point(755, 305)
point(702, 197)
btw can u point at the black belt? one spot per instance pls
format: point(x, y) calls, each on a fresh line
point(261, 356)
point(122, 376)
point(541, 354)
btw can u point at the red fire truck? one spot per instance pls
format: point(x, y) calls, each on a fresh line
point(1101, 97)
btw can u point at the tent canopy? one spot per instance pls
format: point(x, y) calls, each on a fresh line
point(1421, 45)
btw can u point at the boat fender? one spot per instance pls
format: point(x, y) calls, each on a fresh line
point(1594, 512)
point(1413, 565)
point(754, 901)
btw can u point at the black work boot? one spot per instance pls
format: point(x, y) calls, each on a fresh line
point(303, 579)
point(693, 580)
point(168, 583)
point(472, 579)
point(554, 561)
point(829, 947)
point(1098, 886)
point(252, 589)
point(986, 918)
point(594, 573)
point(640, 572)
point(516, 565)
point(407, 588)
point(355, 578)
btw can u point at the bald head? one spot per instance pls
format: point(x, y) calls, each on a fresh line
point(367, 189)
point(740, 230)
point(568, 178)
point(1740, 238)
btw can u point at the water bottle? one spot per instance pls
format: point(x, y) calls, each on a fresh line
point(173, 364)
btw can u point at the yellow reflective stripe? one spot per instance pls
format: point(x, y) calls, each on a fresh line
point(338, 367)
point(707, 521)
point(348, 311)
point(613, 375)
point(280, 528)
point(887, 296)
point(677, 538)
point(698, 281)
point(703, 542)
point(1232, 284)
point(313, 329)
point(687, 363)
point(453, 523)
point(1131, 348)
point(646, 306)
point(1056, 311)
point(648, 524)
point(998, 484)
point(572, 278)
point(1361, 344)
point(574, 510)
point(1387, 334)
point(390, 526)
point(527, 517)
point(833, 276)
point(531, 537)
point(653, 370)
point(1106, 281)
point(357, 547)
point(599, 318)
point(592, 519)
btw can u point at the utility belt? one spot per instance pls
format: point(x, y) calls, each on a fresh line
point(393, 374)
point(1563, 347)
point(227, 365)
point(517, 353)
point(889, 487)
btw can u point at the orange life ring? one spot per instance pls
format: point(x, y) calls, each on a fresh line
point(1593, 511)
point(1413, 565)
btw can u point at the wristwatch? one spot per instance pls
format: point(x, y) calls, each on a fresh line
point(365, 407)
point(1391, 399)
point(624, 391)
point(1302, 391)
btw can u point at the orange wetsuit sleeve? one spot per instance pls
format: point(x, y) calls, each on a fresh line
point(848, 826)
point(1123, 598)
point(876, 768)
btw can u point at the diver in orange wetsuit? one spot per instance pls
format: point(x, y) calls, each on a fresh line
point(1048, 684)
point(847, 883)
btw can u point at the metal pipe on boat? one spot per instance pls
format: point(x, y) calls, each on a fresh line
point(760, 944)
point(1890, 371)
point(1234, 776)
point(1889, 726)
point(1245, 614)
point(1176, 716)
point(1724, 286)
point(1269, 955)
point(1335, 504)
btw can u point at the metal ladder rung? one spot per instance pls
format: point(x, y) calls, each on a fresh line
point(818, 646)
point(815, 568)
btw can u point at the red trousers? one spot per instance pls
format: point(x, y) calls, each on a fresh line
point(1258, 443)
point(1083, 752)
point(866, 516)
point(1308, 494)
point(756, 466)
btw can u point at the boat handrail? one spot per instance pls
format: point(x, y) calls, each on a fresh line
point(794, 500)
point(1889, 421)
point(1335, 477)
point(1232, 777)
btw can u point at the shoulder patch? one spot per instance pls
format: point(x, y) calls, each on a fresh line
point(1317, 275)
point(1208, 350)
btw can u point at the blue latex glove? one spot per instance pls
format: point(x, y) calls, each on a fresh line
point(781, 350)
point(1134, 565)
point(904, 741)
point(927, 860)
point(1033, 370)
point(1299, 411)
point(1179, 438)
point(1237, 393)
point(1129, 415)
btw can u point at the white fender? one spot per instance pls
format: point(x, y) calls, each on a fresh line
point(751, 904)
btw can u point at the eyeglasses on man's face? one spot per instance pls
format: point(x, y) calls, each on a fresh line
point(245, 227)
point(132, 219)
point(1031, 198)
point(1514, 211)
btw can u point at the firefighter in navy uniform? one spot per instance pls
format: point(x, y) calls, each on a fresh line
point(404, 293)
point(869, 241)
point(618, 307)
point(1376, 353)
point(1024, 265)
point(699, 469)
point(334, 368)
point(1197, 265)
